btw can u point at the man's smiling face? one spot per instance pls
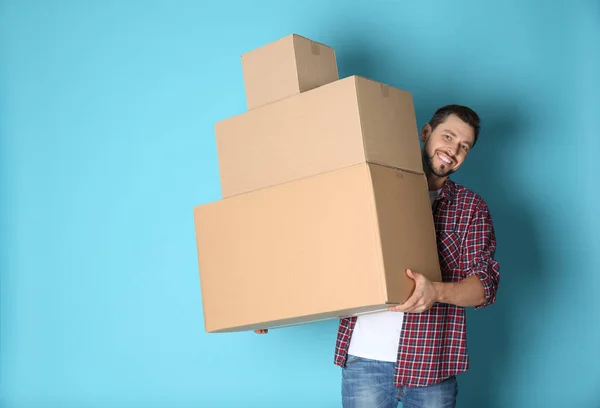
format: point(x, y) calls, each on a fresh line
point(447, 146)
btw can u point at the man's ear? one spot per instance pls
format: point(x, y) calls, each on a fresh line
point(425, 132)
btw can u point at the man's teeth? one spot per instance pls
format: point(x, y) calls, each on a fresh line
point(444, 158)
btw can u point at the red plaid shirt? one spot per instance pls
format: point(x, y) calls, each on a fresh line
point(433, 344)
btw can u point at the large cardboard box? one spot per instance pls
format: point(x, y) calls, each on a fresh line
point(325, 246)
point(286, 67)
point(351, 121)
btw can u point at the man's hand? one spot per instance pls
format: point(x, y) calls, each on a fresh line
point(423, 297)
point(261, 331)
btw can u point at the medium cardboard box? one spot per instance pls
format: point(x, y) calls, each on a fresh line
point(325, 246)
point(347, 122)
point(286, 67)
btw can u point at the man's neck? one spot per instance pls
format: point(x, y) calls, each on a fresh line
point(434, 182)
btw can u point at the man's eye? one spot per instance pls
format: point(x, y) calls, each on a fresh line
point(447, 137)
point(465, 148)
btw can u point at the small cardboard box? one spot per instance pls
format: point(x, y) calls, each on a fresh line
point(351, 121)
point(325, 246)
point(286, 67)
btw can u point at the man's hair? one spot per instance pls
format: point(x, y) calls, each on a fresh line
point(467, 115)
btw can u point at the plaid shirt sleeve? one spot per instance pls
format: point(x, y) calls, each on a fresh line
point(478, 252)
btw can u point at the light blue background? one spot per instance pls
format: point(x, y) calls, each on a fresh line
point(106, 144)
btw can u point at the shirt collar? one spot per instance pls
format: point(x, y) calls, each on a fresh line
point(448, 191)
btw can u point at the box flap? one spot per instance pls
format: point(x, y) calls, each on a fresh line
point(316, 63)
point(406, 229)
point(389, 125)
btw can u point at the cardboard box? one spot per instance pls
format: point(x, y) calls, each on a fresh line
point(286, 67)
point(326, 246)
point(350, 121)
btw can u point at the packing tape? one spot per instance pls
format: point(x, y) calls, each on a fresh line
point(314, 47)
point(385, 90)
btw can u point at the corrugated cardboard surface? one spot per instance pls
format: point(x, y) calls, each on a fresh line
point(389, 125)
point(297, 137)
point(286, 67)
point(294, 321)
point(315, 62)
point(350, 121)
point(406, 229)
point(311, 248)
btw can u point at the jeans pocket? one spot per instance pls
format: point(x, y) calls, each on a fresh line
point(351, 360)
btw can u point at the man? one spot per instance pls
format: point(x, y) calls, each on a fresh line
point(413, 352)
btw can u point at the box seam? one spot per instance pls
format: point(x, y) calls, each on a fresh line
point(297, 179)
point(207, 326)
point(377, 235)
point(362, 129)
point(294, 47)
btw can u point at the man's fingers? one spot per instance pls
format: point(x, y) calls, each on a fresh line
point(409, 304)
point(413, 299)
point(418, 308)
point(413, 275)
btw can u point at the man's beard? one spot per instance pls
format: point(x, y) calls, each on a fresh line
point(428, 163)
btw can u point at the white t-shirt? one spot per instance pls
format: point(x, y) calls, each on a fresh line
point(376, 335)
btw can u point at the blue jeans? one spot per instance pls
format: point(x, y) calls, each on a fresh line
point(369, 384)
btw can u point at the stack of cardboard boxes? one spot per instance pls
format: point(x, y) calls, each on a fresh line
point(325, 202)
